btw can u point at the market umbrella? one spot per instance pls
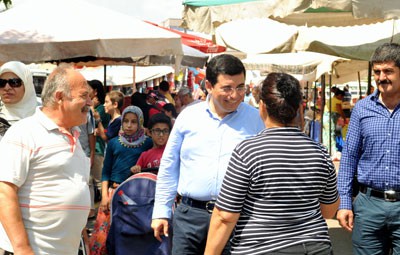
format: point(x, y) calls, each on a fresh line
point(354, 42)
point(206, 15)
point(305, 66)
point(191, 57)
point(251, 36)
point(122, 75)
point(200, 43)
point(44, 30)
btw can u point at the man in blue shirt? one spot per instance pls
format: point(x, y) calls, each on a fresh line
point(197, 154)
point(371, 156)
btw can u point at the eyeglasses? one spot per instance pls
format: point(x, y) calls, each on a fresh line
point(229, 90)
point(14, 82)
point(158, 131)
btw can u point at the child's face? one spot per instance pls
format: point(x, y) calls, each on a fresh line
point(159, 134)
point(108, 105)
point(168, 113)
point(130, 123)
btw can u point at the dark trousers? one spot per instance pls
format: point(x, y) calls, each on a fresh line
point(190, 231)
point(376, 225)
point(308, 248)
point(2, 252)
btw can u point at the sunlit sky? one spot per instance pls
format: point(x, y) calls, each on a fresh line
point(151, 10)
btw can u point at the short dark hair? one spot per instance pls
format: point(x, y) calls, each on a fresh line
point(281, 93)
point(159, 118)
point(98, 87)
point(223, 64)
point(164, 86)
point(387, 52)
point(171, 108)
point(339, 92)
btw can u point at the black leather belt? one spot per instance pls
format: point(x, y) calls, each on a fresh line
point(387, 195)
point(205, 205)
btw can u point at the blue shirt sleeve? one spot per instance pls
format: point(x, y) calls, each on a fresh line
point(108, 161)
point(198, 151)
point(168, 175)
point(113, 128)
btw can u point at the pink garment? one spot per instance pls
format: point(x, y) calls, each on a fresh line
point(153, 111)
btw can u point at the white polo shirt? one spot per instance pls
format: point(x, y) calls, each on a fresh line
point(51, 170)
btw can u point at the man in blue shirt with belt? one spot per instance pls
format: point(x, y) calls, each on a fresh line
point(371, 156)
point(197, 154)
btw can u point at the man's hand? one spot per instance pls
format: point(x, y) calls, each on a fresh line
point(160, 227)
point(346, 219)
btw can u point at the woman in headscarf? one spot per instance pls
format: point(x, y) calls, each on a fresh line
point(122, 153)
point(17, 93)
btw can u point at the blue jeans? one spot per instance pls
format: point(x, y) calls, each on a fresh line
point(376, 226)
point(190, 231)
point(308, 248)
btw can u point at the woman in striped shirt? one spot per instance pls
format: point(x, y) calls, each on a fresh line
point(279, 185)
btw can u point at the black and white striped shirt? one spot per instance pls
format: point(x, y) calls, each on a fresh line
point(276, 181)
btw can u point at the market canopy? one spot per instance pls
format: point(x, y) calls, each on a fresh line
point(305, 66)
point(44, 30)
point(206, 15)
point(124, 75)
point(352, 42)
point(191, 57)
point(255, 36)
point(200, 43)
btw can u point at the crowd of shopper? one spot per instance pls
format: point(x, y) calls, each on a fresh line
point(236, 174)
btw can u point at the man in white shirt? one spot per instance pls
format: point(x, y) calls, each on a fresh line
point(43, 183)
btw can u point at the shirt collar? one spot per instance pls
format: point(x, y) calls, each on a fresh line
point(44, 120)
point(375, 95)
point(50, 125)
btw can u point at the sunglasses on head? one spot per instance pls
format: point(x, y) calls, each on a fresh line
point(14, 82)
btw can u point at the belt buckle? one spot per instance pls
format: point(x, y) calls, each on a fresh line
point(390, 195)
point(210, 206)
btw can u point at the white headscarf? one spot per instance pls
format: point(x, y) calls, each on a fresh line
point(26, 107)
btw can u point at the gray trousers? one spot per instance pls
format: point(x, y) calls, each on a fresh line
point(190, 229)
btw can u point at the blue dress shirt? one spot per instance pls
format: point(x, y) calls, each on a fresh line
point(372, 149)
point(198, 151)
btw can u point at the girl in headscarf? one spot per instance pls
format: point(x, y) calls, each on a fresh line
point(17, 92)
point(121, 154)
point(123, 151)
